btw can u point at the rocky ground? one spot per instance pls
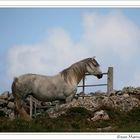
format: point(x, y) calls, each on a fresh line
point(97, 103)
point(120, 101)
point(123, 100)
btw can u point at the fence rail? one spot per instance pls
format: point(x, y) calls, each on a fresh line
point(109, 83)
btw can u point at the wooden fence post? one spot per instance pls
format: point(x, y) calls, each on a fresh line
point(31, 106)
point(110, 80)
point(84, 84)
point(35, 106)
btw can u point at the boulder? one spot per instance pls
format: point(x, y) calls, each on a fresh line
point(11, 105)
point(100, 115)
point(126, 95)
point(119, 92)
point(131, 90)
point(46, 103)
point(11, 115)
point(4, 95)
point(3, 102)
point(55, 102)
point(4, 111)
point(11, 98)
point(108, 128)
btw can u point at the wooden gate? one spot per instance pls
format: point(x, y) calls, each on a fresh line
point(109, 83)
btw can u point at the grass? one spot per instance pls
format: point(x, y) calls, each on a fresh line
point(75, 120)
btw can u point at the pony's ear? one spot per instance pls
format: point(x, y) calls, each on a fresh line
point(93, 57)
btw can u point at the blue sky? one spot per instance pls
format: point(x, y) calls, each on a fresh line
point(47, 40)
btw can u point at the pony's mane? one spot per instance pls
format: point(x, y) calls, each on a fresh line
point(77, 70)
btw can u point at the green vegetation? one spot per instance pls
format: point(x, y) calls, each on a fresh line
point(75, 120)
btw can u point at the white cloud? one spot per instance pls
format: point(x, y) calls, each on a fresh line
point(112, 37)
point(113, 32)
point(49, 57)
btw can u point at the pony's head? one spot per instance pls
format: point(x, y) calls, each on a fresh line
point(93, 67)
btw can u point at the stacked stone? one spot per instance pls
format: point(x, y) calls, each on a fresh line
point(131, 90)
point(124, 100)
point(7, 105)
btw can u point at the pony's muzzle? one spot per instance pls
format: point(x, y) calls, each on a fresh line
point(99, 76)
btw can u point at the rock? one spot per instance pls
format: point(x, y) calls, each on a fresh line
point(2, 113)
point(92, 93)
point(3, 102)
point(119, 92)
point(138, 90)
point(131, 90)
point(4, 110)
point(81, 94)
point(108, 128)
point(126, 95)
point(55, 102)
point(97, 93)
point(136, 96)
point(4, 95)
point(11, 115)
point(112, 93)
point(8, 112)
point(46, 103)
point(11, 105)
point(100, 115)
point(11, 98)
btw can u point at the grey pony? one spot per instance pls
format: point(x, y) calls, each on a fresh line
point(62, 86)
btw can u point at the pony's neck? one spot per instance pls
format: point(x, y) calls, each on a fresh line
point(79, 75)
point(74, 73)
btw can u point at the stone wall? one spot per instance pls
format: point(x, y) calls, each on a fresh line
point(123, 100)
point(7, 105)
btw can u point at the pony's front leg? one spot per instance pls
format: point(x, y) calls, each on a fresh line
point(69, 98)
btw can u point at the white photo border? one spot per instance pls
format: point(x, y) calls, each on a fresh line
point(69, 4)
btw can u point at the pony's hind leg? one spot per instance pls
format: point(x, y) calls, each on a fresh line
point(19, 103)
point(20, 110)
